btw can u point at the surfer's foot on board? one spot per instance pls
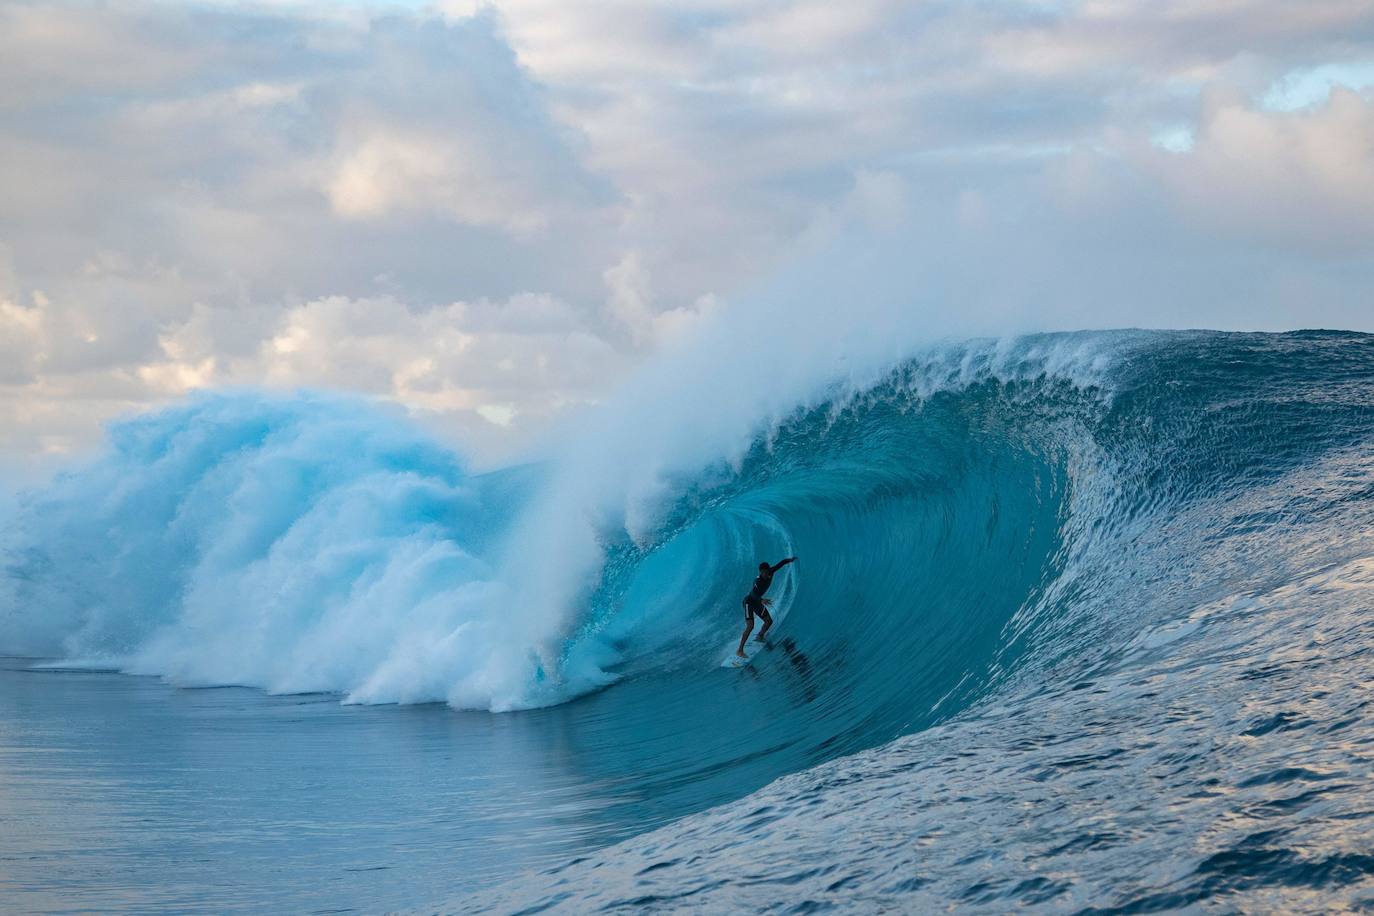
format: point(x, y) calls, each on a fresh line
point(740, 654)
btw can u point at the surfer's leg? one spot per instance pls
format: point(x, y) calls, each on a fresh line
point(767, 622)
point(748, 628)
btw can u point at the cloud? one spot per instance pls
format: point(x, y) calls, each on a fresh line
point(1302, 178)
point(490, 212)
point(21, 340)
point(251, 172)
point(52, 52)
point(471, 143)
point(630, 306)
point(382, 170)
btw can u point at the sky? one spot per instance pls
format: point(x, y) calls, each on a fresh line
point(488, 214)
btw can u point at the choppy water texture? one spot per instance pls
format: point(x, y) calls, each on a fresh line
point(1107, 592)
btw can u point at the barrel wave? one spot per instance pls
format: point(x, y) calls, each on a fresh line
point(976, 522)
point(310, 543)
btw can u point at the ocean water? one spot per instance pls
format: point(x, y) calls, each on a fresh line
point(1080, 622)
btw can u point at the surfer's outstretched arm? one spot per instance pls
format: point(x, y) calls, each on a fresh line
point(779, 566)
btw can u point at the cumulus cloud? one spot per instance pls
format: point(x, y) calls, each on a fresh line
point(258, 174)
point(474, 145)
point(1298, 178)
point(54, 52)
point(630, 306)
point(488, 212)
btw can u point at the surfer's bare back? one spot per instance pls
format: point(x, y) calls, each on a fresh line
point(755, 603)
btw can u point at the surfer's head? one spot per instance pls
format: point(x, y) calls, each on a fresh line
point(764, 567)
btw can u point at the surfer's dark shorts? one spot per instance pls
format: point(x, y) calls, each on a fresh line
point(753, 606)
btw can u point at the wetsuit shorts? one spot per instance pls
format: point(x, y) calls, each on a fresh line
point(753, 606)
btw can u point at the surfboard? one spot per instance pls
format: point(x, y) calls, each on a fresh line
point(734, 661)
point(752, 647)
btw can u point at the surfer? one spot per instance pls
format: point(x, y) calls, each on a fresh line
point(755, 603)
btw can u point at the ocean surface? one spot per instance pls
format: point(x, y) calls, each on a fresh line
point(1081, 621)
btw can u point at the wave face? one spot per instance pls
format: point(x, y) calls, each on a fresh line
point(982, 527)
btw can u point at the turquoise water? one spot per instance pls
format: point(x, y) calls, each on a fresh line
point(1106, 591)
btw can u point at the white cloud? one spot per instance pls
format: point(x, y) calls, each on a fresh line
point(52, 51)
point(1301, 178)
point(630, 305)
point(386, 170)
point(490, 214)
point(21, 339)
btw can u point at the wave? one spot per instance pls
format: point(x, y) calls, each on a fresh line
point(953, 513)
point(989, 531)
point(311, 543)
point(1166, 598)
